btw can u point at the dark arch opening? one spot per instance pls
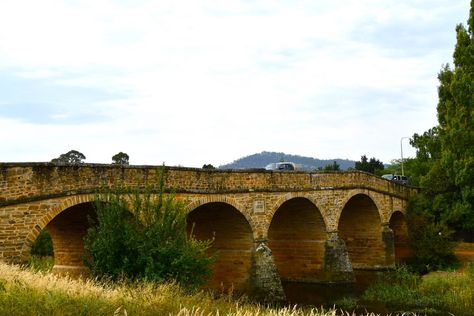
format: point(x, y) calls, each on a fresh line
point(399, 227)
point(233, 242)
point(360, 228)
point(67, 231)
point(297, 236)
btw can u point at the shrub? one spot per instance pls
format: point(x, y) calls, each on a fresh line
point(431, 242)
point(43, 245)
point(141, 235)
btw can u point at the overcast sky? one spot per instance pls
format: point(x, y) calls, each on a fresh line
point(196, 82)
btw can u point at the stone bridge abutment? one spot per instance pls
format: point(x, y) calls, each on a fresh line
point(267, 226)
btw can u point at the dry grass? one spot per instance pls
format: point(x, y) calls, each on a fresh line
point(25, 292)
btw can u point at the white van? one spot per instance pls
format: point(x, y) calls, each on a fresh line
point(397, 178)
point(283, 166)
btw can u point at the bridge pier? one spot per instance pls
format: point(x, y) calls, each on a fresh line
point(337, 264)
point(388, 239)
point(266, 282)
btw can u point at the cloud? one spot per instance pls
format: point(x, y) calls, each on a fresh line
point(190, 83)
point(49, 100)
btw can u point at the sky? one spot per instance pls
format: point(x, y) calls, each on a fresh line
point(188, 83)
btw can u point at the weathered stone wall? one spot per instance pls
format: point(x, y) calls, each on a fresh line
point(27, 181)
point(294, 212)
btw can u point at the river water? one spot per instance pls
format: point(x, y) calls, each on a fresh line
point(327, 294)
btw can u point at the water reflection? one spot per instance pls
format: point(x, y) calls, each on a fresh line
point(329, 294)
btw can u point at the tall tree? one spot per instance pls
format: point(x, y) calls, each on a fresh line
point(447, 149)
point(72, 156)
point(456, 120)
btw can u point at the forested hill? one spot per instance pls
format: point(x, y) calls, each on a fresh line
point(305, 163)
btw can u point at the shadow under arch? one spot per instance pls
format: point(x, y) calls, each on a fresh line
point(297, 236)
point(232, 240)
point(53, 212)
point(361, 229)
point(67, 224)
point(399, 227)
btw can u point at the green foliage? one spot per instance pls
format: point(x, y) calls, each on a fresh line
point(445, 293)
point(470, 269)
point(332, 167)
point(412, 169)
point(41, 263)
point(208, 167)
point(120, 159)
point(43, 245)
point(72, 157)
point(399, 289)
point(140, 235)
point(445, 153)
point(431, 242)
point(373, 165)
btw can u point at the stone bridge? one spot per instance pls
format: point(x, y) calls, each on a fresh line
point(268, 225)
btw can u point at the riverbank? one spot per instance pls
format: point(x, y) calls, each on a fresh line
point(437, 293)
point(25, 292)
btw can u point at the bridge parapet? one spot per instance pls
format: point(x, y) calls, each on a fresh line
point(20, 182)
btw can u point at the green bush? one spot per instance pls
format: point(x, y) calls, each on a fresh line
point(143, 235)
point(431, 242)
point(399, 290)
point(43, 245)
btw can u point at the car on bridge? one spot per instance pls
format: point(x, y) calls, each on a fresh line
point(281, 166)
point(396, 178)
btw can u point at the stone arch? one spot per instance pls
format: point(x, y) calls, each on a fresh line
point(67, 223)
point(289, 196)
point(369, 194)
point(360, 226)
point(297, 236)
point(233, 242)
point(399, 227)
point(213, 199)
point(56, 208)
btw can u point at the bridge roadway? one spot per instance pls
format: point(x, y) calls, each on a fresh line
point(268, 226)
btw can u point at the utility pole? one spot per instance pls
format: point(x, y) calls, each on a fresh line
point(401, 151)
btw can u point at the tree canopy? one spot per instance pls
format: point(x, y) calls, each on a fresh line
point(72, 157)
point(445, 153)
point(120, 159)
point(208, 167)
point(372, 165)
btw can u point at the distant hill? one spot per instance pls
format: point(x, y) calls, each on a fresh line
point(304, 163)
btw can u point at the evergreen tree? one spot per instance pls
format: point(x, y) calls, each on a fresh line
point(446, 152)
point(456, 120)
